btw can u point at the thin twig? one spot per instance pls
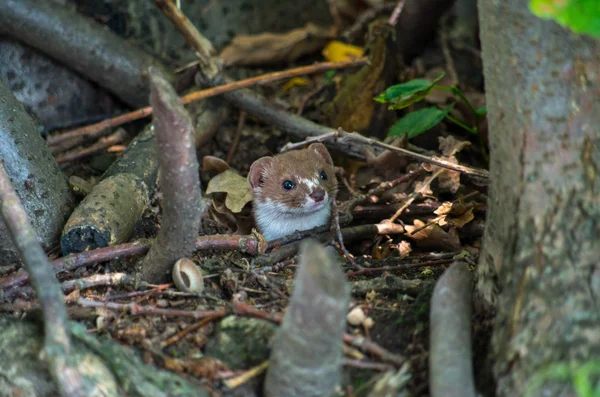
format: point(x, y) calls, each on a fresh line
point(448, 57)
point(57, 342)
point(396, 13)
point(99, 129)
point(340, 238)
point(236, 137)
point(117, 137)
point(239, 380)
point(184, 332)
point(373, 270)
point(343, 135)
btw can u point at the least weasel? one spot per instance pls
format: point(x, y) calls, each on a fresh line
point(293, 191)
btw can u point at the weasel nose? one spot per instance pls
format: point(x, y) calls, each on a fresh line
point(317, 195)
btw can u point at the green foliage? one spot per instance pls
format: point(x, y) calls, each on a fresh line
point(400, 96)
point(329, 75)
point(415, 123)
point(581, 16)
point(580, 374)
point(403, 95)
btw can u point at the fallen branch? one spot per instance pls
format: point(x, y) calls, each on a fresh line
point(343, 135)
point(64, 367)
point(81, 44)
point(99, 129)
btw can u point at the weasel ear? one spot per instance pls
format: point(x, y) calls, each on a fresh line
point(322, 151)
point(258, 171)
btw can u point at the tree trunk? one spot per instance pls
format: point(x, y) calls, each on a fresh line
point(542, 240)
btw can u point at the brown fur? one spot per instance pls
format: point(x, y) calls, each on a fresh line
point(267, 175)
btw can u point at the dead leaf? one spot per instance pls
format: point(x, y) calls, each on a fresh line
point(463, 219)
point(353, 108)
point(404, 248)
point(433, 237)
point(450, 146)
point(214, 164)
point(371, 296)
point(295, 82)
point(269, 48)
point(237, 189)
point(454, 213)
point(449, 181)
point(336, 51)
point(444, 209)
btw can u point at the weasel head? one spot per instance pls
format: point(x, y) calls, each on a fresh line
point(293, 191)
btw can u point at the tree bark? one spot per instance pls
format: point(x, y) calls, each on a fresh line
point(542, 236)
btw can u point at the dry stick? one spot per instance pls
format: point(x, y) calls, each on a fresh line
point(448, 57)
point(373, 270)
point(413, 196)
point(246, 244)
point(99, 129)
point(57, 344)
point(379, 190)
point(239, 380)
point(102, 144)
point(203, 47)
point(136, 310)
point(340, 238)
point(364, 19)
point(396, 13)
point(181, 334)
point(236, 138)
point(343, 135)
point(112, 279)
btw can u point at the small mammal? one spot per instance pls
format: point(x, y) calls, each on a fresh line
point(293, 190)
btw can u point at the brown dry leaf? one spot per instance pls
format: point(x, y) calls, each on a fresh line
point(449, 181)
point(237, 189)
point(463, 219)
point(450, 146)
point(214, 164)
point(456, 214)
point(353, 108)
point(404, 248)
point(424, 188)
point(433, 237)
point(269, 48)
point(444, 209)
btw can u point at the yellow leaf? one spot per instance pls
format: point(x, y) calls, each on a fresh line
point(337, 51)
point(295, 82)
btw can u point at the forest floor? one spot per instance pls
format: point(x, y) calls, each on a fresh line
point(442, 214)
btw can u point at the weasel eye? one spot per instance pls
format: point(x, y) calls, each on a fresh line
point(288, 185)
point(323, 175)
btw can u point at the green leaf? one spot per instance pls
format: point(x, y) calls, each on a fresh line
point(482, 111)
point(402, 95)
point(581, 16)
point(415, 123)
point(328, 77)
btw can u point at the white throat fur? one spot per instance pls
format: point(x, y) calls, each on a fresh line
point(275, 220)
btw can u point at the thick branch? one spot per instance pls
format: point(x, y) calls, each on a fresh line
point(81, 44)
point(179, 181)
